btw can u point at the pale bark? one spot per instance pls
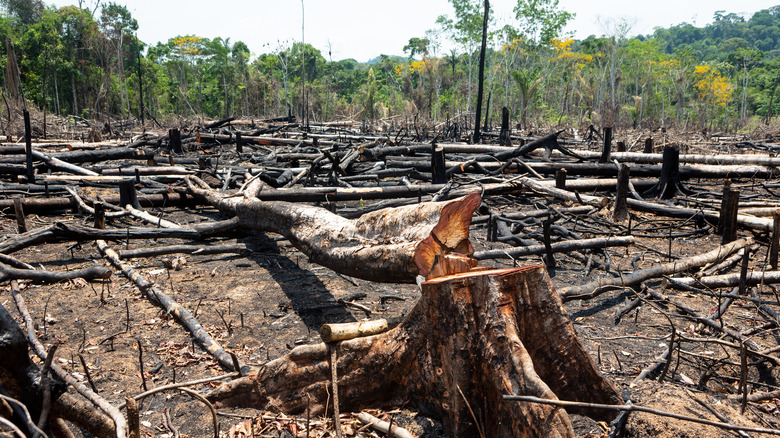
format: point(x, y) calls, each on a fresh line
point(588, 290)
point(390, 245)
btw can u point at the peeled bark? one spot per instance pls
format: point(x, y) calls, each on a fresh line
point(390, 245)
point(471, 339)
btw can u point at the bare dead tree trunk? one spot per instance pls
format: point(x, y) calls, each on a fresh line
point(481, 72)
point(472, 338)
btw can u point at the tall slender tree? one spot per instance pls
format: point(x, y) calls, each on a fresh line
point(477, 136)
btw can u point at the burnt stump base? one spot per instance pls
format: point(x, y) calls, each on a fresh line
point(472, 338)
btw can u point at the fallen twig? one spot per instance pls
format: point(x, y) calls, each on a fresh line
point(635, 408)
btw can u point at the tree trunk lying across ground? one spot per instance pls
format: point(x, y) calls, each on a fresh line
point(472, 338)
point(391, 245)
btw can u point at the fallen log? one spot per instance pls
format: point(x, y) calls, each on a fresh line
point(49, 205)
point(557, 247)
point(76, 157)
point(40, 276)
point(717, 160)
point(727, 280)
point(60, 231)
point(390, 245)
point(550, 189)
point(592, 289)
point(333, 194)
point(471, 338)
point(147, 171)
point(687, 171)
point(745, 220)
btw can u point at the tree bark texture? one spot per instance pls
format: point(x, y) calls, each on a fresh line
point(390, 245)
point(471, 339)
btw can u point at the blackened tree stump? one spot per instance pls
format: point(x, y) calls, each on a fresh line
point(472, 338)
point(669, 182)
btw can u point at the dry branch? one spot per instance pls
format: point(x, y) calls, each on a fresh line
point(591, 289)
point(557, 247)
point(41, 276)
point(156, 296)
point(729, 280)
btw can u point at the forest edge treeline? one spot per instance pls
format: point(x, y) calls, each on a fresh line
point(87, 61)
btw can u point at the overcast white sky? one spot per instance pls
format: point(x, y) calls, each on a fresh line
point(364, 29)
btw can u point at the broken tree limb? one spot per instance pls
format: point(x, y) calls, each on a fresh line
point(593, 288)
point(158, 297)
point(383, 426)
point(120, 425)
point(635, 408)
point(745, 220)
point(351, 330)
point(150, 218)
point(391, 245)
point(729, 280)
point(57, 164)
point(238, 248)
point(40, 276)
point(549, 142)
point(485, 333)
point(557, 247)
point(567, 195)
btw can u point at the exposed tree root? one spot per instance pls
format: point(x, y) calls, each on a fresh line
point(471, 339)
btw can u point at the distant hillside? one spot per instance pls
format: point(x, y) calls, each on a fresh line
point(728, 33)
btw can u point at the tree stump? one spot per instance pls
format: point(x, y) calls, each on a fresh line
point(669, 182)
point(472, 338)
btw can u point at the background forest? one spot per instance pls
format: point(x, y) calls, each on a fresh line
point(87, 62)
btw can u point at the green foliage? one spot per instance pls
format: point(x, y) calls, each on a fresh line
point(541, 20)
point(724, 74)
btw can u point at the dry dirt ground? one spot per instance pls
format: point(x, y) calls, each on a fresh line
point(263, 304)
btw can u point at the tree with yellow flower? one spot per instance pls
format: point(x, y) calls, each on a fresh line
point(713, 89)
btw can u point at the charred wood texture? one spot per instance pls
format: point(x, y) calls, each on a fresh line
point(505, 137)
point(607, 150)
point(19, 377)
point(472, 338)
point(669, 183)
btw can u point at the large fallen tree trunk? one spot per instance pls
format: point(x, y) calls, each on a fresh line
point(472, 338)
point(391, 245)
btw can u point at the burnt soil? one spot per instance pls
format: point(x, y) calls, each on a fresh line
point(263, 304)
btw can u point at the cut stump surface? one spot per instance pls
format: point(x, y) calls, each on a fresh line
point(472, 338)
